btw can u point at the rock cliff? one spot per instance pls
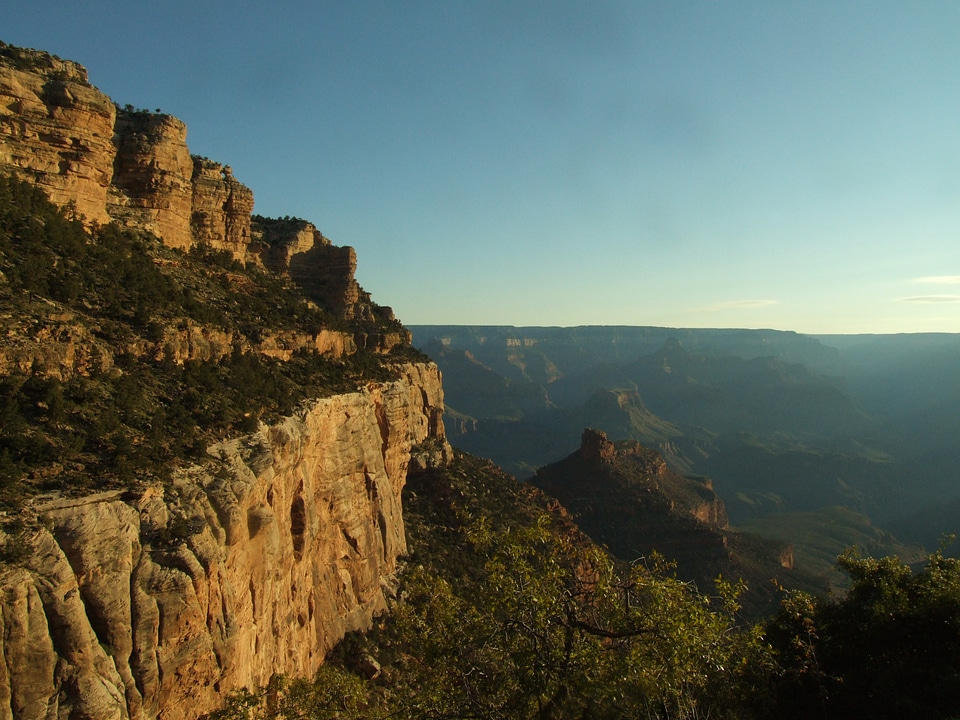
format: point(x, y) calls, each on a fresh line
point(156, 600)
point(153, 604)
point(57, 130)
point(134, 167)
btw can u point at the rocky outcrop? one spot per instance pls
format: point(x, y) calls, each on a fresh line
point(134, 167)
point(624, 495)
point(52, 343)
point(57, 130)
point(626, 475)
point(221, 208)
point(55, 342)
point(152, 176)
point(325, 272)
point(155, 604)
point(124, 164)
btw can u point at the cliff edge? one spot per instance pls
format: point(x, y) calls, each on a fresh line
point(133, 167)
point(256, 561)
point(259, 535)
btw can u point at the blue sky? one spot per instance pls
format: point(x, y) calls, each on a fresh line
point(791, 165)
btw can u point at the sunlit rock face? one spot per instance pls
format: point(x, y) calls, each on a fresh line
point(156, 604)
point(134, 167)
point(57, 131)
point(152, 176)
point(221, 208)
point(124, 164)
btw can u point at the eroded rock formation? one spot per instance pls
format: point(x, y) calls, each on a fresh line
point(134, 167)
point(157, 602)
point(57, 131)
point(221, 208)
point(56, 343)
point(325, 272)
point(624, 496)
point(154, 604)
point(152, 184)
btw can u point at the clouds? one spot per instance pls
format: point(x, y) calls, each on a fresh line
point(938, 298)
point(938, 280)
point(932, 299)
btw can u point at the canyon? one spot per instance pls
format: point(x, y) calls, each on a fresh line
point(158, 600)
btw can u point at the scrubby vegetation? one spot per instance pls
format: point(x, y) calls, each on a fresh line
point(126, 420)
point(506, 611)
point(24, 58)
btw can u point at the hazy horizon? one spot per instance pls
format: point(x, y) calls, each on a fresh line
point(791, 166)
point(675, 327)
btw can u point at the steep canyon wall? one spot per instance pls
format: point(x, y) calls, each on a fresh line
point(133, 166)
point(257, 561)
point(157, 602)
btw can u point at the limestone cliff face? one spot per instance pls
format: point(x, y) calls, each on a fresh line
point(57, 130)
point(221, 209)
point(154, 604)
point(152, 176)
point(134, 167)
point(325, 272)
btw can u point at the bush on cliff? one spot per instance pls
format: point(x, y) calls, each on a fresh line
point(889, 649)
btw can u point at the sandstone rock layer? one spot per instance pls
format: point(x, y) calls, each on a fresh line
point(157, 603)
point(57, 130)
point(134, 167)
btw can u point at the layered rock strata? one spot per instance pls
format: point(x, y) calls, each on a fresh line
point(57, 343)
point(152, 186)
point(221, 207)
point(57, 131)
point(325, 272)
point(155, 604)
point(134, 167)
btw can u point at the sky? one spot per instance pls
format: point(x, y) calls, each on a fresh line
point(786, 165)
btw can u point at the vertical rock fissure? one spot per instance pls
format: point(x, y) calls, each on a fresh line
point(384, 542)
point(298, 525)
point(7, 690)
point(383, 424)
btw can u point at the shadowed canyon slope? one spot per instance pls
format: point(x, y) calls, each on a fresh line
point(781, 422)
point(625, 497)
